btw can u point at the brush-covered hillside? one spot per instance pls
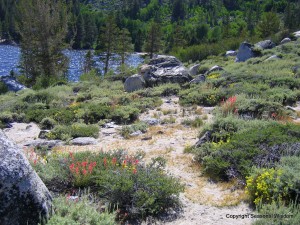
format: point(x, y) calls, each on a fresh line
point(228, 144)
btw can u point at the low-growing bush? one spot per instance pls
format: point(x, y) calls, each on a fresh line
point(47, 123)
point(140, 190)
point(127, 130)
point(3, 88)
point(279, 214)
point(79, 211)
point(266, 186)
point(64, 132)
point(197, 122)
point(127, 184)
point(125, 114)
point(235, 153)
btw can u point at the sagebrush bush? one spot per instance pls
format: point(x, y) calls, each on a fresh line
point(233, 154)
point(127, 130)
point(80, 211)
point(63, 132)
point(135, 188)
point(47, 123)
point(286, 214)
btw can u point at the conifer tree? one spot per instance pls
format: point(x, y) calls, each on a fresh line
point(42, 26)
point(153, 41)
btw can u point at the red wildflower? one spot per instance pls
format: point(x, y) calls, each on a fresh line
point(134, 171)
point(114, 161)
point(84, 172)
point(84, 164)
point(72, 167)
point(273, 115)
point(105, 162)
point(77, 170)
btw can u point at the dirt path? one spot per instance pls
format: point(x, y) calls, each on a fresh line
point(204, 202)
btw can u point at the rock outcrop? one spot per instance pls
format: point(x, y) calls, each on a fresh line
point(266, 44)
point(134, 83)
point(230, 53)
point(24, 198)
point(245, 52)
point(297, 34)
point(164, 69)
point(193, 70)
point(84, 141)
point(12, 84)
point(285, 40)
point(199, 79)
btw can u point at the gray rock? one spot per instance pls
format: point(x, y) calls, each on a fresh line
point(137, 133)
point(134, 83)
point(273, 57)
point(24, 198)
point(245, 52)
point(193, 70)
point(205, 138)
point(43, 134)
point(297, 34)
point(231, 53)
point(214, 69)
point(285, 40)
point(266, 44)
point(197, 80)
point(164, 69)
point(84, 141)
point(12, 84)
point(152, 121)
point(44, 143)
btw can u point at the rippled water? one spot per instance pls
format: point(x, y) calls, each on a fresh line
point(10, 56)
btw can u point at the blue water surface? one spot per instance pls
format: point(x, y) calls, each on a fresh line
point(10, 57)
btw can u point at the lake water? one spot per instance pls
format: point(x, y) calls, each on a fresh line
point(10, 56)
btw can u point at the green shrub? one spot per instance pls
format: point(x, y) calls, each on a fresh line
point(81, 211)
point(63, 132)
point(140, 192)
point(93, 113)
point(125, 114)
point(235, 154)
point(267, 186)
point(6, 117)
point(289, 214)
point(197, 122)
point(3, 88)
point(47, 123)
point(127, 130)
point(136, 189)
point(201, 95)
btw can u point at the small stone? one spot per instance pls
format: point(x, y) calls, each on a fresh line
point(84, 141)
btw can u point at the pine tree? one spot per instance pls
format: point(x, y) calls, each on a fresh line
point(153, 41)
point(89, 62)
point(124, 44)
point(108, 42)
point(42, 27)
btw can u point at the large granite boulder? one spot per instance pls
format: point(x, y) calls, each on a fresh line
point(164, 69)
point(24, 198)
point(12, 84)
point(266, 44)
point(134, 83)
point(245, 52)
